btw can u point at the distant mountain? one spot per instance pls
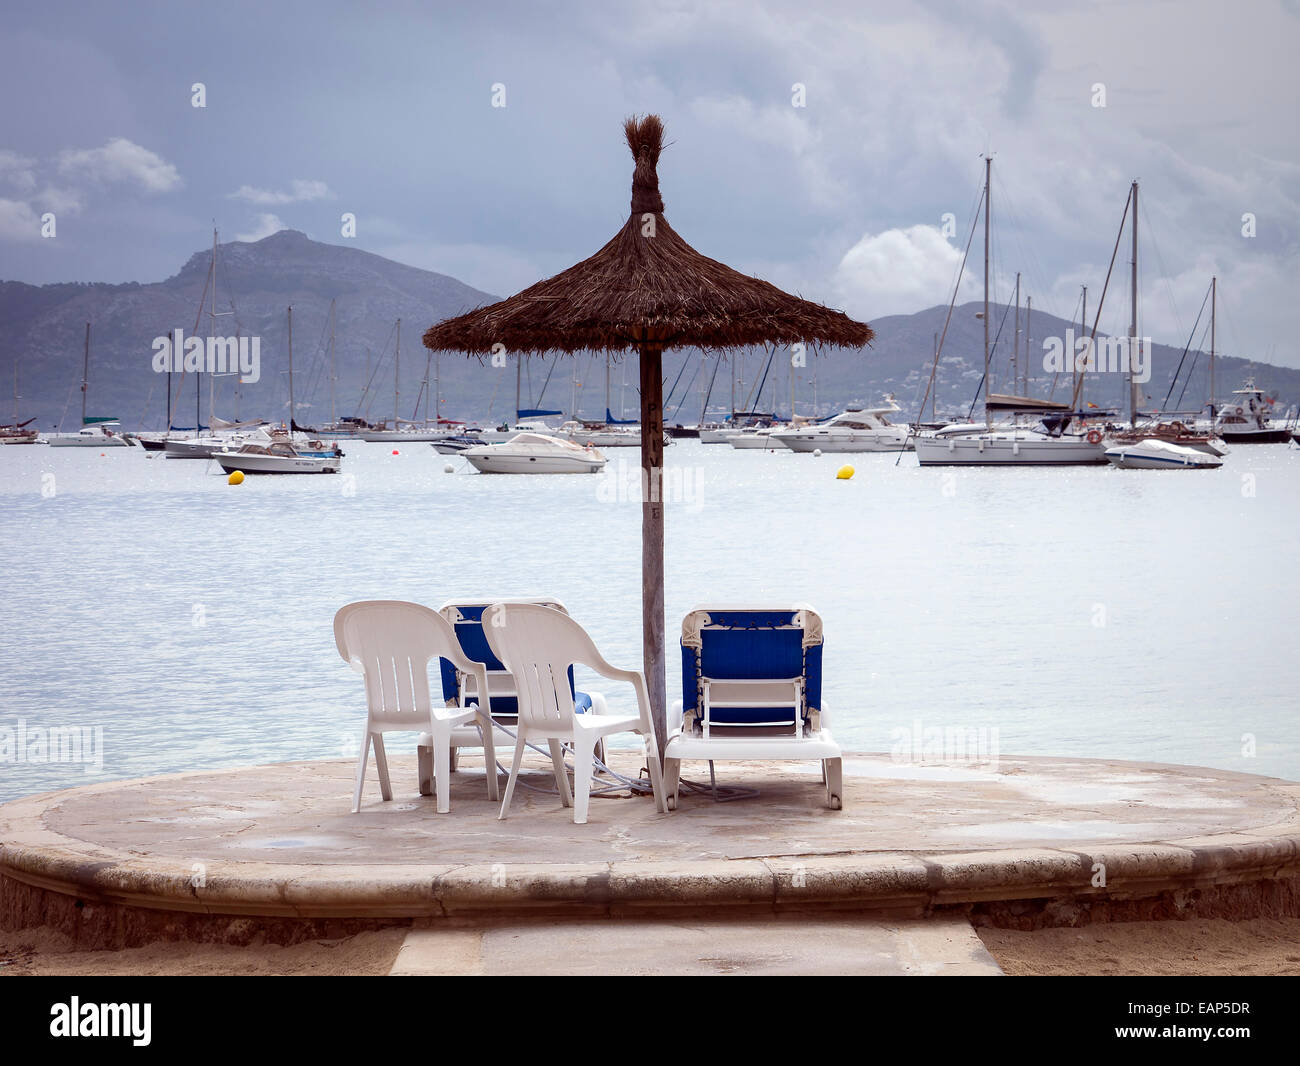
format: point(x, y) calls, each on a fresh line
point(43, 327)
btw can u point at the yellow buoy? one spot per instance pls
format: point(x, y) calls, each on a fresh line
point(236, 477)
point(844, 473)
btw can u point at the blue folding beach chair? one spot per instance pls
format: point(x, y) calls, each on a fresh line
point(751, 689)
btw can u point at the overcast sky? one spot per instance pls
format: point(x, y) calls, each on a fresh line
point(385, 110)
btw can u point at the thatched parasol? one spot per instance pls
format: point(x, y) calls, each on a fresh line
point(647, 290)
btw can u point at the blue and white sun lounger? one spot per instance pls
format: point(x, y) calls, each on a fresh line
point(751, 688)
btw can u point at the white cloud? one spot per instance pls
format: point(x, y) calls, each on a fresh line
point(300, 191)
point(900, 271)
point(265, 226)
point(18, 222)
point(121, 160)
point(60, 201)
point(17, 170)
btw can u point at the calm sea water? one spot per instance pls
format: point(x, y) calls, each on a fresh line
point(1080, 612)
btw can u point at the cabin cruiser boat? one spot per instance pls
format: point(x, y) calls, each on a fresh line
point(717, 432)
point(535, 453)
point(754, 437)
point(1152, 454)
point(1246, 421)
point(852, 430)
point(97, 435)
point(277, 457)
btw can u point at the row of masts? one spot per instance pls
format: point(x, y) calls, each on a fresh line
point(1134, 340)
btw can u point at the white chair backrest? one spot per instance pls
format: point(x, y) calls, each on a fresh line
point(391, 643)
point(538, 645)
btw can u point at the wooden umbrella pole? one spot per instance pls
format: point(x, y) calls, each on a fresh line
point(652, 536)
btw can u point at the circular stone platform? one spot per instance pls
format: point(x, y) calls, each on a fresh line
point(280, 842)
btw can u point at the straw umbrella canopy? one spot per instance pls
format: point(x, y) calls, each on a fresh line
point(647, 291)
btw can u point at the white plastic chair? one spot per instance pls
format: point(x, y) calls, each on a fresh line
point(391, 643)
point(538, 645)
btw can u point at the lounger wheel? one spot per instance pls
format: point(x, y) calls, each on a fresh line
point(835, 803)
point(672, 803)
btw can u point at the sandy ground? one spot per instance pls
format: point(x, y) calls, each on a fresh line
point(1259, 947)
point(42, 951)
point(1207, 947)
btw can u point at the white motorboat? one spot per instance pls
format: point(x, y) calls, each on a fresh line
point(1153, 454)
point(854, 429)
point(716, 433)
point(754, 439)
point(96, 435)
point(535, 453)
point(276, 457)
point(1245, 420)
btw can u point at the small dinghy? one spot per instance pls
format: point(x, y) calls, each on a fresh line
point(1152, 454)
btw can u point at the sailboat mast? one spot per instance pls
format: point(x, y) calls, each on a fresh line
point(519, 377)
point(934, 393)
point(169, 383)
point(1015, 342)
point(607, 408)
point(988, 171)
point(333, 374)
point(1133, 319)
point(437, 388)
point(792, 387)
point(212, 329)
point(1213, 306)
point(291, 372)
point(1029, 336)
point(397, 368)
point(85, 375)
